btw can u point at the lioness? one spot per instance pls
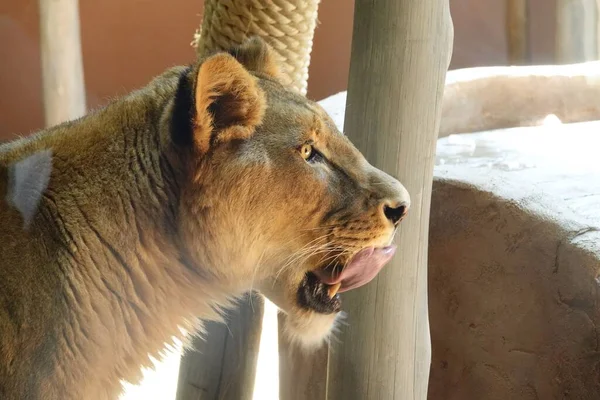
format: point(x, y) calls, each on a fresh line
point(121, 228)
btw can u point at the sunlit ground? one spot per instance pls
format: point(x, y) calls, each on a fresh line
point(266, 386)
point(552, 146)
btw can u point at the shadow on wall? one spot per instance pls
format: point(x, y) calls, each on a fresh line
point(126, 43)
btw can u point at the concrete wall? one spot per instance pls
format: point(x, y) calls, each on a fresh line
point(127, 42)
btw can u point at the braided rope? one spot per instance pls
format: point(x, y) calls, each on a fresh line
point(287, 25)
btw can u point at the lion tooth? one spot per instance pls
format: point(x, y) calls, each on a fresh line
point(333, 289)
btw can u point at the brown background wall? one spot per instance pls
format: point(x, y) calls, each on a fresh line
point(127, 42)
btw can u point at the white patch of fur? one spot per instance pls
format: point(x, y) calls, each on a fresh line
point(28, 179)
point(313, 330)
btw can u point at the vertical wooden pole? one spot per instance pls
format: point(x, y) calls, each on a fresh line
point(223, 363)
point(517, 30)
point(576, 31)
point(302, 375)
point(400, 55)
point(62, 67)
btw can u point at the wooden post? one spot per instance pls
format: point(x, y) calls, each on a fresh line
point(517, 30)
point(576, 31)
point(302, 375)
point(223, 363)
point(400, 55)
point(62, 68)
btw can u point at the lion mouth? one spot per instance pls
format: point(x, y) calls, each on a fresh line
point(319, 291)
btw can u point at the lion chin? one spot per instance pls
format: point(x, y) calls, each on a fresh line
point(310, 330)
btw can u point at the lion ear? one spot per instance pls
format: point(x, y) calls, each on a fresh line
point(229, 103)
point(257, 56)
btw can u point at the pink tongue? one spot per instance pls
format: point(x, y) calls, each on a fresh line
point(361, 269)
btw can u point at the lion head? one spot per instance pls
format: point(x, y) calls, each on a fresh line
point(276, 198)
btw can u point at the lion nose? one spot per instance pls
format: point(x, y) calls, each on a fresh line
point(394, 201)
point(395, 211)
point(390, 196)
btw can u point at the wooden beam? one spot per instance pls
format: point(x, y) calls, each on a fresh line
point(223, 363)
point(62, 67)
point(576, 31)
point(400, 54)
point(487, 98)
point(517, 30)
point(302, 375)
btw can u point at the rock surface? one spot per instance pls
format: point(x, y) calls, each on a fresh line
point(514, 259)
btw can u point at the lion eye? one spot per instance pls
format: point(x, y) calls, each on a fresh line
point(307, 152)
